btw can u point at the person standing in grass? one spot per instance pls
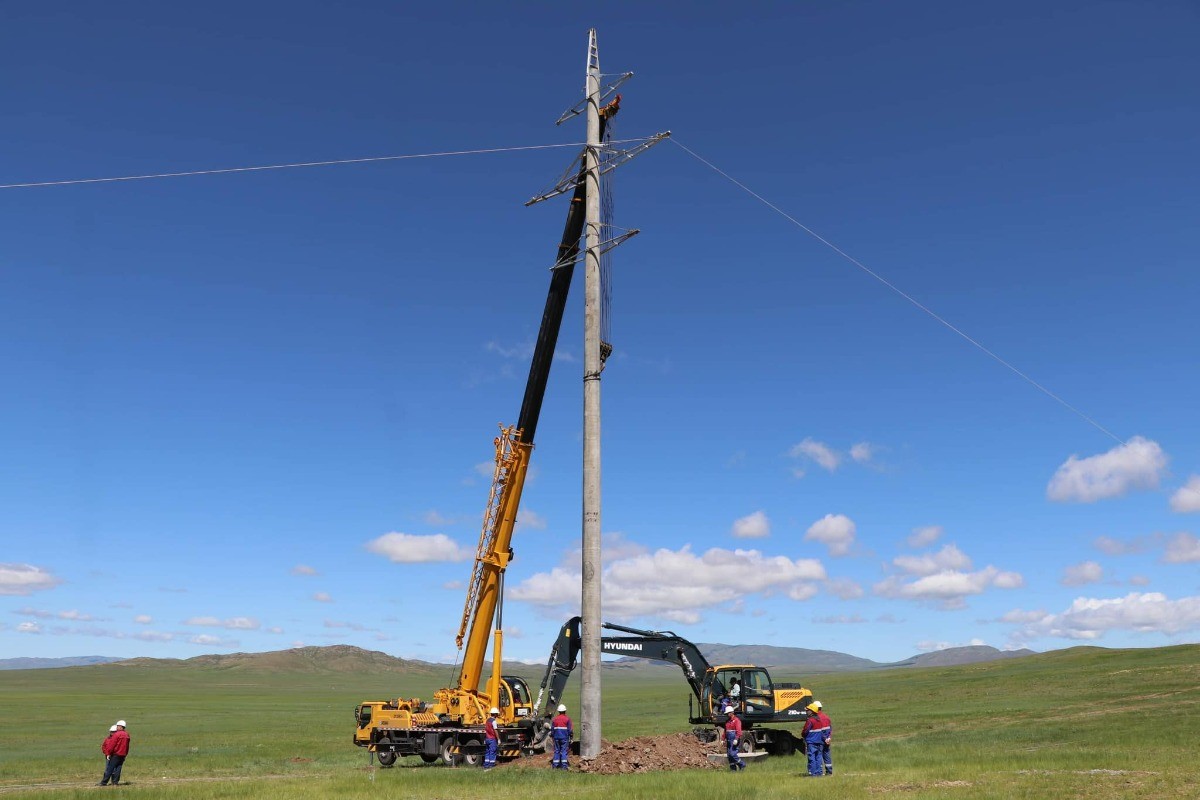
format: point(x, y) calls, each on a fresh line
point(492, 739)
point(818, 734)
point(561, 730)
point(733, 737)
point(115, 749)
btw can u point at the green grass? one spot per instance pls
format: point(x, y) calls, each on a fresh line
point(1081, 723)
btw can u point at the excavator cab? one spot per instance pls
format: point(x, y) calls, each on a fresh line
point(747, 688)
point(515, 700)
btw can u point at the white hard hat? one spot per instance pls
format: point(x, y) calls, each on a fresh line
point(561, 707)
point(728, 710)
point(817, 703)
point(121, 722)
point(113, 728)
point(494, 710)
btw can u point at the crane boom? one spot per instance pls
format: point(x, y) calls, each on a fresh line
point(513, 449)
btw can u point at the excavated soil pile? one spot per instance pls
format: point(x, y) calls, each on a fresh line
point(649, 754)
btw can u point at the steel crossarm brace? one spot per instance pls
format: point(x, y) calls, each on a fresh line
point(605, 93)
point(605, 246)
point(615, 159)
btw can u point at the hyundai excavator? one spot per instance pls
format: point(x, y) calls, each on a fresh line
point(450, 726)
point(758, 702)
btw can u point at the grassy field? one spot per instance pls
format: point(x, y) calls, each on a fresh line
point(1081, 723)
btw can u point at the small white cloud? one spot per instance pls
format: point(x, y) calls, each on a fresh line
point(948, 588)
point(930, 646)
point(23, 579)
point(1186, 499)
point(798, 473)
point(29, 627)
point(1136, 464)
point(407, 548)
point(527, 518)
point(843, 588)
point(835, 531)
point(275, 629)
point(840, 619)
point(521, 352)
point(485, 469)
point(825, 456)
point(862, 452)
point(948, 558)
point(1084, 572)
point(304, 569)
point(322, 597)
point(923, 537)
point(1116, 547)
point(205, 639)
point(1139, 580)
point(753, 526)
point(1182, 548)
point(233, 624)
point(143, 619)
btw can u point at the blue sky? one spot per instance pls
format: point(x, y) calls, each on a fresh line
point(222, 393)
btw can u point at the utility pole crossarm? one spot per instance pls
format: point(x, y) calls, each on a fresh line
point(616, 158)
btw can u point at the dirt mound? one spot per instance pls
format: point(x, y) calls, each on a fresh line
point(649, 754)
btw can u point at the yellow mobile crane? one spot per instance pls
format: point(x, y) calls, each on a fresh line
point(450, 726)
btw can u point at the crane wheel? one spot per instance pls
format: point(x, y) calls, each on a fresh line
point(386, 757)
point(449, 758)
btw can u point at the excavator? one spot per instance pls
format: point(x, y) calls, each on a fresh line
point(450, 725)
point(758, 702)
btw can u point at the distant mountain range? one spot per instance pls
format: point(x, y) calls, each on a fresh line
point(50, 663)
point(346, 658)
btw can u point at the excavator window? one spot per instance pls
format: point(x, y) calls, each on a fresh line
point(505, 699)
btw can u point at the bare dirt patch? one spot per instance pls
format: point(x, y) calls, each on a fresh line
point(639, 754)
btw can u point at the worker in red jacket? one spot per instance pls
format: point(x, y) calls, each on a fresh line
point(115, 749)
point(733, 738)
point(491, 739)
point(818, 734)
point(561, 731)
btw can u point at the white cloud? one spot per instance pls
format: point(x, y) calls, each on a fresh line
point(929, 646)
point(1187, 497)
point(844, 588)
point(322, 597)
point(143, 619)
point(1090, 618)
point(522, 352)
point(676, 585)
point(1116, 547)
point(407, 548)
point(841, 619)
point(1136, 464)
point(527, 518)
point(73, 615)
point(753, 526)
point(828, 458)
point(1084, 572)
point(205, 639)
point(29, 627)
point(923, 537)
point(1182, 548)
point(948, 588)
point(862, 452)
point(233, 623)
point(948, 558)
point(304, 569)
point(836, 531)
point(1139, 580)
point(616, 547)
point(25, 579)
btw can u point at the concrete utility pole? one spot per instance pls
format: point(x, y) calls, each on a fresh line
point(589, 699)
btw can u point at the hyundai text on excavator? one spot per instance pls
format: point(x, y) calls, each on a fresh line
point(759, 702)
point(450, 726)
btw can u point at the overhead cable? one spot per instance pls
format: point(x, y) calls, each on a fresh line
point(899, 291)
point(367, 160)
